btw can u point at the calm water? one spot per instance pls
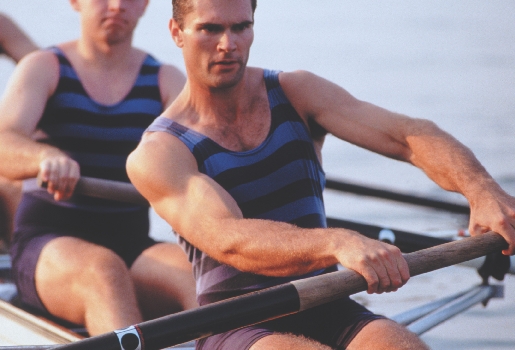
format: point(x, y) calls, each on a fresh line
point(451, 62)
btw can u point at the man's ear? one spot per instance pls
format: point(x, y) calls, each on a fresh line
point(175, 32)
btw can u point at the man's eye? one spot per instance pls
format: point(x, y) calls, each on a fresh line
point(240, 27)
point(211, 29)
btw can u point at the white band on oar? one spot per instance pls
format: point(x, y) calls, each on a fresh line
point(129, 338)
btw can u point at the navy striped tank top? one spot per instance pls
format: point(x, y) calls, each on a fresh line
point(280, 180)
point(99, 137)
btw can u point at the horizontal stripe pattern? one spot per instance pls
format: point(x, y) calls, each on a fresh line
point(79, 144)
point(279, 180)
point(134, 105)
point(100, 137)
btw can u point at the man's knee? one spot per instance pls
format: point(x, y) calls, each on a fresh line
point(287, 341)
point(73, 258)
point(386, 334)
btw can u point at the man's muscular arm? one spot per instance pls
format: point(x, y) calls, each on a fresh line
point(14, 41)
point(165, 172)
point(420, 142)
point(32, 83)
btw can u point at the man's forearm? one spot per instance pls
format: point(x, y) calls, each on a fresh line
point(447, 162)
point(267, 247)
point(20, 156)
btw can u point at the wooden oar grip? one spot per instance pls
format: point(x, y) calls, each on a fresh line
point(453, 253)
point(106, 189)
point(325, 288)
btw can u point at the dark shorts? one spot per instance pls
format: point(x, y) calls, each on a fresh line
point(38, 222)
point(334, 324)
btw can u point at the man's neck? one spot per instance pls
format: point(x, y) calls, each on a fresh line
point(107, 74)
point(105, 55)
point(238, 118)
point(225, 105)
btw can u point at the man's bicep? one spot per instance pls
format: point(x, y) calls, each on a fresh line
point(344, 116)
point(166, 173)
point(371, 127)
point(156, 169)
point(33, 81)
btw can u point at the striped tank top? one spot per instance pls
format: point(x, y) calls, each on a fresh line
point(99, 137)
point(280, 180)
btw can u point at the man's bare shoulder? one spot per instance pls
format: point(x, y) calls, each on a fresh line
point(40, 59)
point(297, 78)
point(38, 70)
point(159, 159)
point(171, 83)
point(172, 71)
point(158, 148)
point(311, 94)
point(255, 72)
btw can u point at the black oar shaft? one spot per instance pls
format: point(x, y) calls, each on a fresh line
point(406, 241)
point(27, 347)
point(284, 299)
point(115, 190)
point(396, 196)
point(204, 321)
point(106, 189)
point(219, 317)
point(125, 192)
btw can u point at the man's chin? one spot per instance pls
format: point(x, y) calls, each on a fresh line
point(225, 81)
point(115, 36)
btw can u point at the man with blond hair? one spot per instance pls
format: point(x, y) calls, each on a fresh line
point(86, 260)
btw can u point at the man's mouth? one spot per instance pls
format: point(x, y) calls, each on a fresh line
point(226, 62)
point(114, 20)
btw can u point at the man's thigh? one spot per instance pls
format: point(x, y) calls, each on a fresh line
point(287, 341)
point(163, 279)
point(334, 324)
point(388, 335)
point(74, 265)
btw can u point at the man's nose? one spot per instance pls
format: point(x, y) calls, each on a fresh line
point(117, 5)
point(227, 41)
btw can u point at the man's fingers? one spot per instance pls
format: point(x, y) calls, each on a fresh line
point(506, 228)
point(384, 269)
point(403, 267)
point(396, 267)
point(61, 175)
point(381, 264)
point(386, 272)
point(372, 278)
point(509, 236)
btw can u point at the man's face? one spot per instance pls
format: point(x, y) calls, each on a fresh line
point(215, 39)
point(110, 20)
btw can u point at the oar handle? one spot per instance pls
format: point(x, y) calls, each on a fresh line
point(281, 300)
point(332, 286)
point(454, 252)
point(106, 189)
